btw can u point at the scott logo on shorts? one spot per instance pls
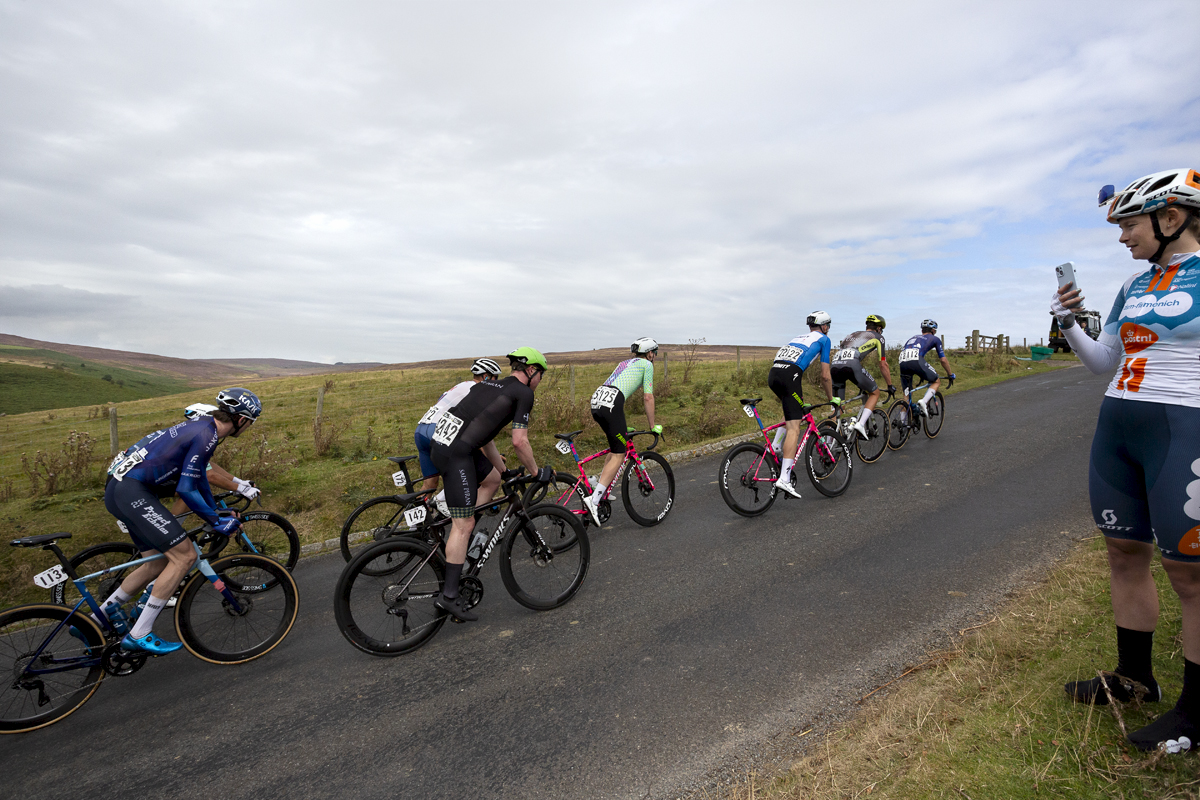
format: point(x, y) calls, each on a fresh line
point(1110, 521)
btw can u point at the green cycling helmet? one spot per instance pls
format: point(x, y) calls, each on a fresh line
point(875, 319)
point(527, 357)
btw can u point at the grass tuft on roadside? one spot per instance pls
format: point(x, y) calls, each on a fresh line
point(990, 719)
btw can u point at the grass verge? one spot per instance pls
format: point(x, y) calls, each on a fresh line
point(989, 718)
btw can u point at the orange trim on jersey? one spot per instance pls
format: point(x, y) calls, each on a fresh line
point(1163, 280)
point(1137, 374)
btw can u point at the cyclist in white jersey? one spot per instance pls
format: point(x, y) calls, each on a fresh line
point(423, 435)
point(608, 410)
point(1144, 475)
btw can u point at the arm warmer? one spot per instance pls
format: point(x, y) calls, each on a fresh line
point(1097, 356)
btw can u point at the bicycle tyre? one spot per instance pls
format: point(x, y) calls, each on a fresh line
point(535, 572)
point(272, 535)
point(747, 478)
point(212, 631)
point(373, 607)
point(872, 448)
point(830, 472)
point(937, 415)
point(643, 497)
point(898, 424)
point(375, 520)
point(23, 630)
point(93, 559)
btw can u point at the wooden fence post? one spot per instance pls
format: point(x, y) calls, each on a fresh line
point(572, 384)
point(320, 403)
point(113, 445)
point(975, 341)
point(666, 375)
point(738, 350)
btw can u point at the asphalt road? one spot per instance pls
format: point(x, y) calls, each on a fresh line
point(693, 651)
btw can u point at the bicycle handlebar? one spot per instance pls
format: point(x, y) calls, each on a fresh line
point(657, 437)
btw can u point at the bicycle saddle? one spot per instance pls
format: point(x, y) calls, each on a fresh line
point(400, 459)
point(567, 437)
point(751, 401)
point(38, 541)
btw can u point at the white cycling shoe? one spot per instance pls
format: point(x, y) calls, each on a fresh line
point(593, 508)
point(860, 428)
point(786, 486)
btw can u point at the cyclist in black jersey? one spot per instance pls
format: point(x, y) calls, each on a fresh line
point(463, 451)
point(848, 366)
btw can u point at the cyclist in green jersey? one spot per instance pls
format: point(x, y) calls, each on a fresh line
point(848, 366)
point(608, 409)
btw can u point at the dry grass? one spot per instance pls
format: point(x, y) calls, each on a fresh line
point(989, 718)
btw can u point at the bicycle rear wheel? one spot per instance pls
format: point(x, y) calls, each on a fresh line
point(871, 448)
point(93, 559)
point(383, 601)
point(648, 491)
point(29, 700)
point(937, 415)
point(374, 521)
point(747, 479)
point(213, 630)
point(829, 463)
point(898, 424)
point(537, 572)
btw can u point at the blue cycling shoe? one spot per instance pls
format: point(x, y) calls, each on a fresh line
point(149, 644)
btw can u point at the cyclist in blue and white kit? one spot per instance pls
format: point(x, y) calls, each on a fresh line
point(912, 362)
point(784, 380)
point(423, 436)
point(167, 462)
point(608, 410)
point(1144, 475)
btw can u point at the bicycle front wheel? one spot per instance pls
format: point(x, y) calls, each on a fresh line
point(47, 675)
point(747, 479)
point(937, 415)
point(648, 491)
point(374, 521)
point(269, 535)
point(898, 424)
point(537, 572)
point(871, 448)
point(212, 629)
point(93, 559)
point(383, 601)
point(830, 465)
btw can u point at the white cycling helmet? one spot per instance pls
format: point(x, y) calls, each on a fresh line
point(643, 345)
point(818, 318)
point(485, 366)
point(197, 410)
point(931, 324)
point(1172, 187)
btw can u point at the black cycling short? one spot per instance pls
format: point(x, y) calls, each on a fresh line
point(910, 368)
point(462, 470)
point(786, 382)
point(853, 371)
point(1144, 475)
point(608, 409)
point(147, 520)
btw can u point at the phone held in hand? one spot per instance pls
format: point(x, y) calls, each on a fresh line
point(1066, 274)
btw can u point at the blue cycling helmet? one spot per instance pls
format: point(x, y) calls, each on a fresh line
point(239, 402)
point(929, 323)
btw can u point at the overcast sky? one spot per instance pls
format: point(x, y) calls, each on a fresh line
point(393, 181)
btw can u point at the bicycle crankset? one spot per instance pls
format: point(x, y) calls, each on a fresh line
point(603, 511)
point(470, 589)
point(119, 662)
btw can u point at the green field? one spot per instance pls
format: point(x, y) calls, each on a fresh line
point(40, 380)
point(370, 415)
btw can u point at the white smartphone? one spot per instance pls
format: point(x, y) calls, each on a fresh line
point(1066, 274)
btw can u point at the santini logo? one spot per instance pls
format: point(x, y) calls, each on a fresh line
point(1136, 338)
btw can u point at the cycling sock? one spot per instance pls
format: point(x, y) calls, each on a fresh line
point(145, 620)
point(864, 416)
point(786, 470)
point(1133, 666)
point(780, 435)
point(1133, 655)
point(928, 394)
point(450, 587)
point(598, 492)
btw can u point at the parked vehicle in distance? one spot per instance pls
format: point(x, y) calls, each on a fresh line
point(1089, 322)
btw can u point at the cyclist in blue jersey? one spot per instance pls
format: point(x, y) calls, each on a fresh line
point(218, 477)
point(1144, 475)
point(608, 410)
point(784, 380)
point(423, 435)
point(912, 362)
point(167, 462)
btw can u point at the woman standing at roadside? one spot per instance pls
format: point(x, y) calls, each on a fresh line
point(1144, 476)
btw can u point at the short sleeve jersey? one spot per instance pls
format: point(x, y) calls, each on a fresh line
point(858, 346)
point(177, 456)
point(446, 402)
point(488, 407)
point(916, 347)
point(631, 375)
point(1155, 321)
point(803, 350)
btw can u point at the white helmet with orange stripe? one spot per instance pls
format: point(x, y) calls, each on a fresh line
point(1172, 188)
